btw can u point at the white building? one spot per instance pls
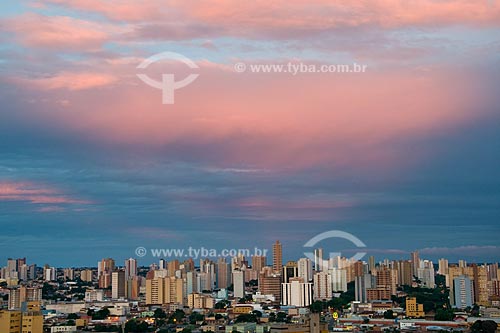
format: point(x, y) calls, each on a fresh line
point(96, 295)
point(130, 268)
point(304, 269)
point(296, 293)
point(339, 279)
point(49, 274)
point(239, 284)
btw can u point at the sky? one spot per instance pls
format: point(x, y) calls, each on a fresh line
point(405, 155)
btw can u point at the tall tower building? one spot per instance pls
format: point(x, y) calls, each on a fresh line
point(86, 275)
point(480, 276)
point(270, 285)
point(104, 269)
point(322, 287)
point(304, 269)
point(339, 279)
point(189, 265)
point(258, 262)
point(173, 266)
point(290, 270)
point(223, 277)
point(371, 264)
point(118, 284)
point(318, 259)
point(361, 284)
point(443, 266)
point(386, 279)
point(463, 292)
point(68, 274)
point(50, 274)
point(277, 257)
point(415, 263)
point(404, 271)
point(239, 284)
point(164, 290)
point(130, 268)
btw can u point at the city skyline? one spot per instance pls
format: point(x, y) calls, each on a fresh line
point(145, 262)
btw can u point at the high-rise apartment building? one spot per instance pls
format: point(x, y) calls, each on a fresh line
point(223, 276)
point(270, 285)
point(19, 295)
point(290, 270)
point(277, 257)
point(361, 284)
point(173, 266)
point(319, 260)
point(443, 266)
point(296, 293)
point(339, 279)
point(304, 269)
point(104, 269)
point(463, 292)
point(480, 284)
point(322, 287)
point(118, 284)
point(164, 290)
point(415, 263)
point(258, 262)
point(130, 268)
point(86, 275)
point(239, 283)
point(371, 264)
point(404, 272)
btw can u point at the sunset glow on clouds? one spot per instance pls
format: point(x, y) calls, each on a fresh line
point(36, 194)
point(410, 143)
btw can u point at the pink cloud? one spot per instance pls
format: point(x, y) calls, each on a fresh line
point(70, 81)
point(269, 120)
point(281, 18)
point(59, 32)
point(36, 194)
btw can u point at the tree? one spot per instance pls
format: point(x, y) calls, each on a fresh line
point(246, 318)
point(281, 317)
point(474, 312)
point(101, 314)
point(134, 326)
point(72, 316)
point(221, 305)
point(389, 314)
point(484, 326)
point(253, 283)
point(218, 316)
point(177, 316)
point(196, 316)
point(444, 315)
point(316, 306)
point(159, 314)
